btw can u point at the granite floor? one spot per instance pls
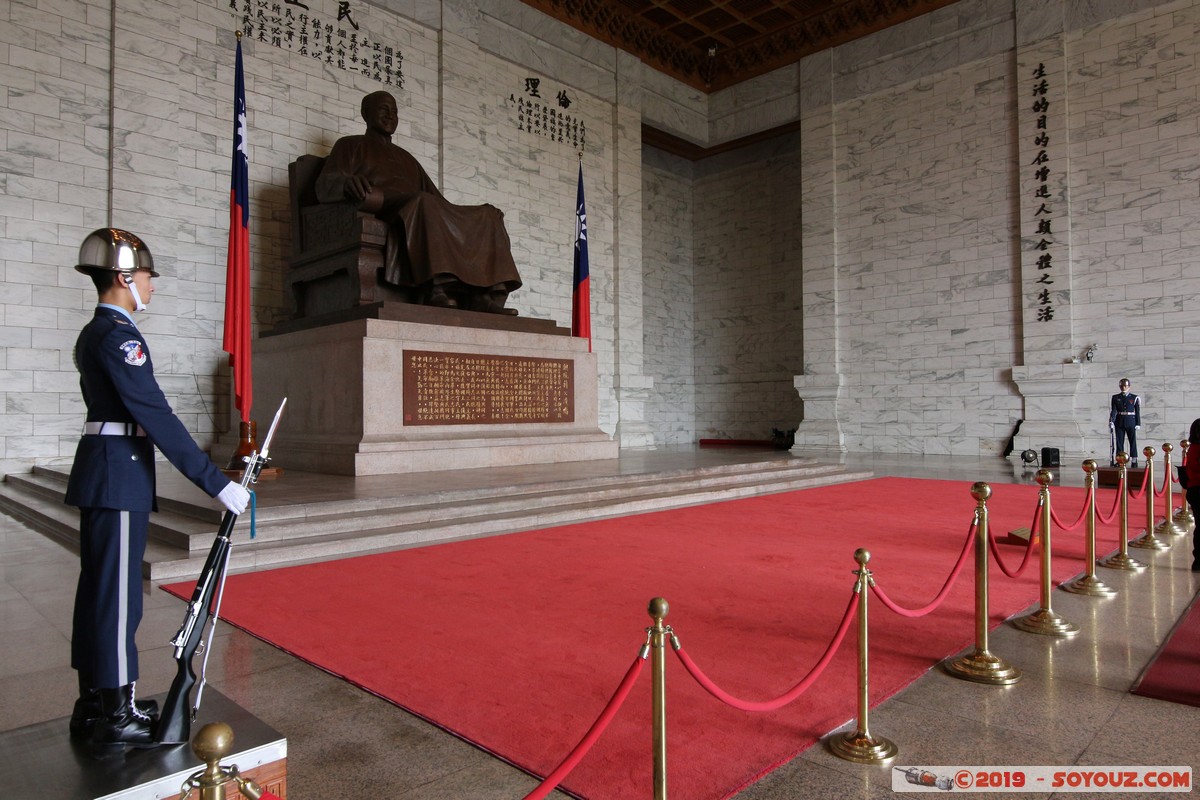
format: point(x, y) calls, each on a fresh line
point(1072, 706)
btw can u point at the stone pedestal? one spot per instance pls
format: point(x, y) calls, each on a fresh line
point(345, 387)
point(1049, 391)
point(820, 429)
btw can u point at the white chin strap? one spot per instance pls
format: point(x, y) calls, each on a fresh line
point(137, 298)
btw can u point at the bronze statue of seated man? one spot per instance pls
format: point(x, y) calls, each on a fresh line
point(449, 255)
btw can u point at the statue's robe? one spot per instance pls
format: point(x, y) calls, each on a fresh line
point(427, 234)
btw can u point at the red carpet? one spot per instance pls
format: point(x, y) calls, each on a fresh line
point(516, 642)
point(1174, 674)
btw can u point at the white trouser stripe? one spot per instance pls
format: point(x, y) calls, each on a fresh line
point(123, 603)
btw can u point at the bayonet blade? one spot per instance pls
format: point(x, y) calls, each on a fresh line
point(271, 432)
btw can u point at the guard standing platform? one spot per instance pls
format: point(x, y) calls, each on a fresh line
point(41, 760)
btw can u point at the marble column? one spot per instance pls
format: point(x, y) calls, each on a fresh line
point(820, 384)
point(631, 383)
point(1047, 381)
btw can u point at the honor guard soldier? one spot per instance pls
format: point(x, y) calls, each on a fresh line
point(112, 484)
point(1125, 419)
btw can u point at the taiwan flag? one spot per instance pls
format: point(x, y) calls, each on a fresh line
point(581, 304)
point(237, 269)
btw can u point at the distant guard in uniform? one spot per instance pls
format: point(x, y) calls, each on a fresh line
point(1125, 419)
point(112, 484)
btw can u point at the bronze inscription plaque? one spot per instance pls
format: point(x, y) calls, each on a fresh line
point(471, 389)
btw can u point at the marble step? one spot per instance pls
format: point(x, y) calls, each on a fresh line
point(186, 523)
point(323, 528)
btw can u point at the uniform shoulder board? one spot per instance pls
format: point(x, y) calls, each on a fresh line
point(117, 318)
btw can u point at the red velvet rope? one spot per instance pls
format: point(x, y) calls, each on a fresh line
point(573, 758)
point(1073, 525)
point(790, 694)
point(941, 595)
point(1033, 529)
point(1116, 504)
point(1142, 490)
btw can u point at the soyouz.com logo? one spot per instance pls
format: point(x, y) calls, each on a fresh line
point(1041, 779)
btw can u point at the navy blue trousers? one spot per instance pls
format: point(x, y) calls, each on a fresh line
point(108, 599)
point(1132, 434)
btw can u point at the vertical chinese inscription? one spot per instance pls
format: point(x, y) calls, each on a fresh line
point(1041, 168)
point(473, 389)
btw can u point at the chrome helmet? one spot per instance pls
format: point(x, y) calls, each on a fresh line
point(116, 250)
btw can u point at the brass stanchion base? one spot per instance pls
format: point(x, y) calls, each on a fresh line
point(1169, 527)
point(1122, 561)
point(1184, 517)
point(1047, 623)
point(983, 667)
point(863, 748)
point(1089, 585)
point(1150, 542)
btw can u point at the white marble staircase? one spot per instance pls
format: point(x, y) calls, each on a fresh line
point(304, 517)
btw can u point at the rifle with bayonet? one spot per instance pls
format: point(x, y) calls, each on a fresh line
point(178, 712)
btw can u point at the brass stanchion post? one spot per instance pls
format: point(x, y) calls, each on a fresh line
point(859, 745)
point(658, 667)
point(212, 743)
point(1045, 620)
point(1169, 527)
point(1089, 584)
point(981, 666)
point(1184, 515)
point(1150, 541)
point(1121, 559)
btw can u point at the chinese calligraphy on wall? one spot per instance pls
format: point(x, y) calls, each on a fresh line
point(334, 38)
point(546, 113)
point(1044, 215)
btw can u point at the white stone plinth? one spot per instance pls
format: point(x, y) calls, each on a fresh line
point(344, 386)
point(1051, 393)
point(821, 430)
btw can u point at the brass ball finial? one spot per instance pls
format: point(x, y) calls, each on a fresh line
point(658, 608)
point(1089, 466)
point(1168, 448)
point(981, 491)
point(1148, 451)
point(213, 742)
point(862, 556)
point(1044, 477)
point(1122, 458)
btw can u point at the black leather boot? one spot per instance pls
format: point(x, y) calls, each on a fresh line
point(87, 710)
point(121, 724)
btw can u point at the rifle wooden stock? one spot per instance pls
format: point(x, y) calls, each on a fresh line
point(175, 719)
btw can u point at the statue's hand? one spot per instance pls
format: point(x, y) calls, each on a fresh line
point(356, 188)
point(373, 202)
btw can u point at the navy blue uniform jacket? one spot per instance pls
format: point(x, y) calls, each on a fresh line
point(118, 384)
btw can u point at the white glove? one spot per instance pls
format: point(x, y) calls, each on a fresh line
point(1112, 426)
point(234, 498)
point(1137, 427)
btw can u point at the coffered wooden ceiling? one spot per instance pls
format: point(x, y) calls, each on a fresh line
point(714, 44)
